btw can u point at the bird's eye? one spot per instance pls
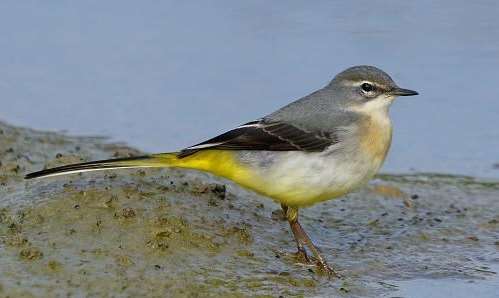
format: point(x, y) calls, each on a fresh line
point(366, 87)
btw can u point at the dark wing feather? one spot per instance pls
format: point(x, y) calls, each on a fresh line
point(264, 135)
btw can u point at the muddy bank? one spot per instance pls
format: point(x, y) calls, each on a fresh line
point(184, 233)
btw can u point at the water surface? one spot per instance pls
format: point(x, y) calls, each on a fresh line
point(168, 74)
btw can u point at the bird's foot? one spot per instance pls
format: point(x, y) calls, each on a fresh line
point(301, 256)
point(328, 270)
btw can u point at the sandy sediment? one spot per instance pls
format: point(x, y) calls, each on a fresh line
point(185, 233)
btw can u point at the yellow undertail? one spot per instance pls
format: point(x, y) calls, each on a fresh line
point(219, 162)
point(223, 163)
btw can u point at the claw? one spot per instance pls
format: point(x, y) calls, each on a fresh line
point(325, 268)
point(302, 256)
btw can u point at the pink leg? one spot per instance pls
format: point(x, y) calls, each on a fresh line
point(303, 240)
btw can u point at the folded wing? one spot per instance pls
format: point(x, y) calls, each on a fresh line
point(267, 135)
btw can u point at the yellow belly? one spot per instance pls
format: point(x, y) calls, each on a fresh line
point(290, 186)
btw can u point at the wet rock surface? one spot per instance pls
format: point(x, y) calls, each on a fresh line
point(185, 233)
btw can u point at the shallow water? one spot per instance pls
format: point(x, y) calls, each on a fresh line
point(168, 75)
point(455, 288)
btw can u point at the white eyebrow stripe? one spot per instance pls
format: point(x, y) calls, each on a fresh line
point(358, 83)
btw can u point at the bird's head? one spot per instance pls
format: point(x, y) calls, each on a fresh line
point(366, 88)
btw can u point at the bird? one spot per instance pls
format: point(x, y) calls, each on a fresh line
point(317, 148)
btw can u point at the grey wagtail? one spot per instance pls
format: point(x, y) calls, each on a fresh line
point(317, 148)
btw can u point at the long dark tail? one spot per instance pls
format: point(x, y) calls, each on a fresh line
point(148, 161)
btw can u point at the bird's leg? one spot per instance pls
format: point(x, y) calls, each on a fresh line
point(301, 253)
point(321, 262)
point(302, 239)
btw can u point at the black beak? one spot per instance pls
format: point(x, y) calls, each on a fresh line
point(402, 92)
